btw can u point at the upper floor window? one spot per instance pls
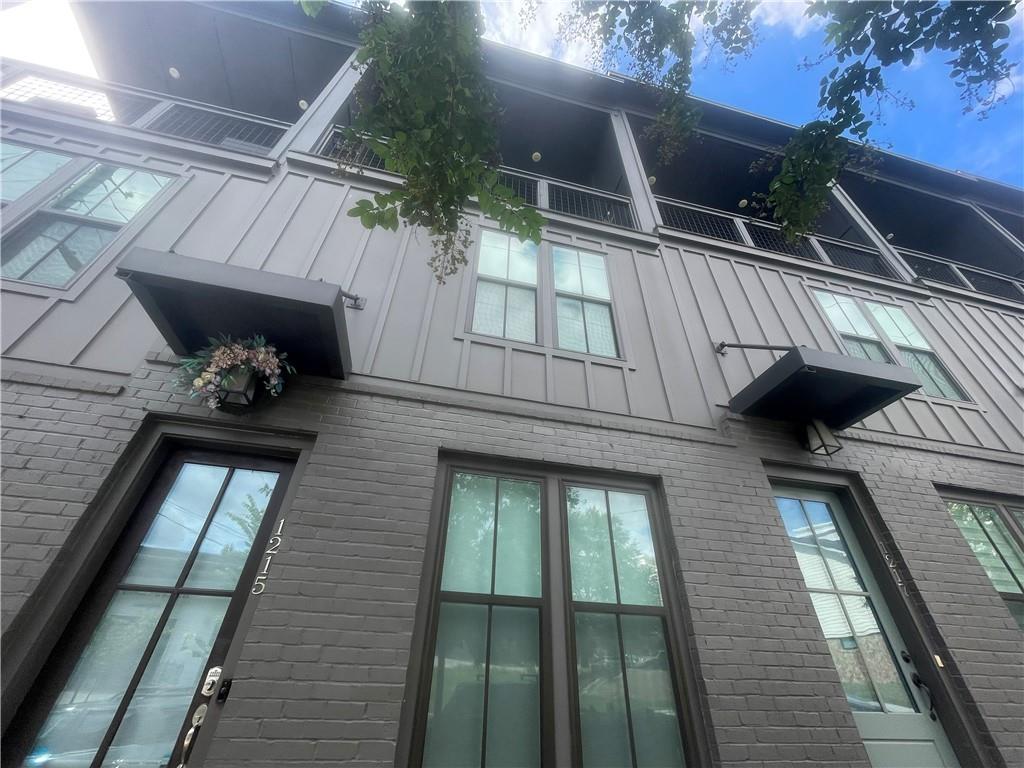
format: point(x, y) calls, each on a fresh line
point(583, 302)
point(490, 694)
point(506, 289)
point(886, 334)
point(23, 168)
point(994, 533)
point(65, 235)
point(505, 297)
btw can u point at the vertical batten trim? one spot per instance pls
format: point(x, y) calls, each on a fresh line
point(269, 193)
point(357, 261)
point(726, 312)
point(424, 332)
point(385, 304)
point(103, 327)
point(325, 230)
point(286, 221)
point(588, 380)
point(464, 363)
point(506, 382)
point(654, 338)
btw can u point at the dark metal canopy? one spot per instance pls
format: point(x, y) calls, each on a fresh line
point(190, 300)
point(839, 390)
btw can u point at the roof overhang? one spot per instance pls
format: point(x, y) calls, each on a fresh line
point(806, 384)
point(192, 300)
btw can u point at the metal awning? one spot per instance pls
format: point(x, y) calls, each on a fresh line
point(839, 390)
point(191, 300)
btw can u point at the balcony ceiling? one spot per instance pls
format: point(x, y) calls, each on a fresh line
point(226, 57)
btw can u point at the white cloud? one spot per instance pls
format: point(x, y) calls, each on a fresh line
point(45, 32)
point(788, 14)
point(504, 25)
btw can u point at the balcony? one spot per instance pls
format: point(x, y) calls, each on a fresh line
point(928, 267)
point(154, 113)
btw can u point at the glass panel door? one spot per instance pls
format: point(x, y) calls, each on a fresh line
point(874, 668)
point(172, 600)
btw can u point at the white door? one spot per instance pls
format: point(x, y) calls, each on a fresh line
point(893, 714)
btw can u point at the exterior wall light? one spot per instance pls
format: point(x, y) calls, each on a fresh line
point(652, 180)
point(303, 105)
point(535, 157)
point(744, 203)
point(820, 440)
point(174, 73)
point(238, 390)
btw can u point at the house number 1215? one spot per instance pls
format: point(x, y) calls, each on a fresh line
point(260, 585)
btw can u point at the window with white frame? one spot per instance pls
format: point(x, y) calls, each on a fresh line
point(886, 334)
point(23, 169)
point(505, 301)
point(64, 236)
point(583, 307)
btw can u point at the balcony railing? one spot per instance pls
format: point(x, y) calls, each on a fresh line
point(538, 191)
point(151, 112)
point(941, 270)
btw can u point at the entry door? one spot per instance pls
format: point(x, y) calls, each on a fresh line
point(893, 714)
point(164, 615)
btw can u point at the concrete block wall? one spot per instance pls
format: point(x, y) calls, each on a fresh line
point(322, 672)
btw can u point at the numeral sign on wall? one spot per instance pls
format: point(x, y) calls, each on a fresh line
point(260, 584)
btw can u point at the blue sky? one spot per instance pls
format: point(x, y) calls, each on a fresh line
point(770, 83)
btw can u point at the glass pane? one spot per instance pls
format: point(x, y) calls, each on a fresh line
point(832, 547)
point(845, 315)
point(936, 382)
point(522, 261)
point(71, 256)
point(513, 692)
point(595, 278)
point(897, 325)
point(489, 308)
point(590, 551)
point(31, 243)
point(470, 542)
point(517, 558)
point(90, 189)
point(1017, 611)
point(567, 270)
point(866, 350)
point(634, 549)
point(455, 714)
point(996, 531)
point(22, 176)
point(603, 725)
point(808, 556)
point(129, 197)
point(173, 532)
point(846, 654)
point(983, 549)
point(151, 723)
point(521, 321)
point(1018, 515)
point(600, 332)
point(83, 711)
point(877, 654)
point(493, 254)
point(232, 531)
point(570, 325)
point(11, 152)
point(652, 705)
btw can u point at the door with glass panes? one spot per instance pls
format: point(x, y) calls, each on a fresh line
point(126, 685)
point(892, 711)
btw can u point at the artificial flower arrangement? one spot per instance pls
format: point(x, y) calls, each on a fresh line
point(225, 372)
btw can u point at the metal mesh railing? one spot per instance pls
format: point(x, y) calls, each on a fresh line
point(771, 239)
point(698, 222)
point(522, 186)
point(993, 285)
point(590, 205)
point(933, 269)
point(108, 105)
point(219, 129)
point(871, 262)
point(337, 147)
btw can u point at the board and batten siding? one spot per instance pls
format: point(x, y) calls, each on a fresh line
point(672, 305)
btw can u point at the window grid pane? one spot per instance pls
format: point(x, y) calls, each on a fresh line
point(489, 308)
point(520, 314)
point(866, 349)
point(936, 382)
point(897, 325)
point(599, 329)
point(845, 315)
point(23, 169)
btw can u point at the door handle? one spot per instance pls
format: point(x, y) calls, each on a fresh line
point(190, 738)
point(917, 681)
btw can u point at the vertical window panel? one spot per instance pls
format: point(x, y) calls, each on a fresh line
point(489, 308)
point(469, 546)
point(842, 644)
point(833, 549)
point(513, 691)
point(634, 549)
point(991, 558)
point(590, 551)
point(878, 656)
point(454, 737)
point(517, 569)
point(520, 314)
point(935, 381)
point(897, 325)
point(24, 169)
point(866, 350)
point(522, 261)
point(808, 555)
point(604, 726)
point(595, 276)
point(567, 270)
point(600, 330)
point(493, 254)
point(845, 315)
point(503, 306)
point(571, 332)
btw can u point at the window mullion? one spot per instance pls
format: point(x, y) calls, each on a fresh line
point(625, 685)
point(487, 676)
point(891, 347)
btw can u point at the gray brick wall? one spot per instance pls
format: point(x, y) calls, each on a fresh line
point(321, 676)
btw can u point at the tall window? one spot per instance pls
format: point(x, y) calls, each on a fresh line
point(506, 288)
point(484, 705)
point(583, 303)
point(67, 234)
point(993, 532)
point(885, 334)
point(23, 168)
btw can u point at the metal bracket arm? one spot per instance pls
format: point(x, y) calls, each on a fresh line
point(724, 345)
